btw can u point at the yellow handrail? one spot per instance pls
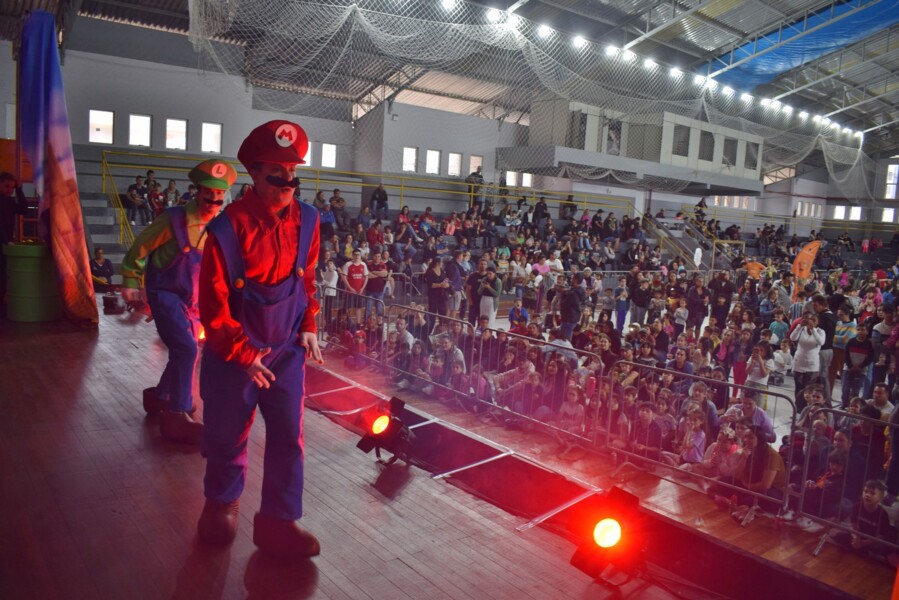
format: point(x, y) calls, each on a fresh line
point(746, 219)
point(126, 235)
point(404, 185)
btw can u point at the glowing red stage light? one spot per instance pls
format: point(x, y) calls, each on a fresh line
point(380, 424)
point(202, 334)
point(607, 533)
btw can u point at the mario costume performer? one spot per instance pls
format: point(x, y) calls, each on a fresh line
point(165, 260)
point(258, 305)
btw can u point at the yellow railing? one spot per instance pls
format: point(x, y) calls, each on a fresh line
point(126, 235)
point(402, 187)
point(749, 221)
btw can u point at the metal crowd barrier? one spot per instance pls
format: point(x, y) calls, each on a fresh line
point(827, 499)
point(727, 411)
point(343, 314)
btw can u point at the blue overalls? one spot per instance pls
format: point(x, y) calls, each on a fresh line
point(172, 295)
point(271, 316)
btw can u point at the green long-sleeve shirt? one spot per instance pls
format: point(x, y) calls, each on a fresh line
point(158, 244)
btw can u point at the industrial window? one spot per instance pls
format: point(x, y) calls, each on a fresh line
point(892, 177)
point(729, 156)
point(410, 159)
point(889, 215)
point(511, 179)
point(751, 161)
point(307, 158)
point(329, 156)
point(139, 127)
point(432, 162)
point(855, 213)
point(211, 138)
point(100, 123)
point(681, 143)
point(176, 134)
point(706, 146)
point(454, 164)
point(475, 161)
point(839, 213)
point(527, 180)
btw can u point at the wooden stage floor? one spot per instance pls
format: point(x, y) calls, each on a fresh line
point(95, 504)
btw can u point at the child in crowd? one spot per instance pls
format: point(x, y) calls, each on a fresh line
point(783, 364)
point(779, 327)
point(869, 517)
point(681, 314)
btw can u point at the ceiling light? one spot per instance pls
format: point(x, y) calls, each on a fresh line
point(859, 134)
point(816, 118)
point(746, 97)
point(493, 15)
point(544, 31)
point(675, 72)
point(448, 4)
point(579, 41)
point(803, 115)
point(611, 50)
point(787, 109)
point(698, 79)
point(847, 130)
point(711, 84)
point(649, 63)
point(512, 21)
point(728, 91)
point(775, 104)
point(766, 101)
point(628, 55)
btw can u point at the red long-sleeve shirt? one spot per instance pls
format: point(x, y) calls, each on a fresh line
point(268, 244)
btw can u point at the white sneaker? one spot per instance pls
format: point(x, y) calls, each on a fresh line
point(133, 223)
point(808, 525)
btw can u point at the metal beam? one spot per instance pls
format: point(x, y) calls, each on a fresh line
point(889, 87)
point(798, 24)
point(870, 129)
point(677, 19)
point(845, 62)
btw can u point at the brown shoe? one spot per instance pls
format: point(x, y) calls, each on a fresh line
point(283, 539)
point(180, 427)
point(153, 405)
point(218, 523)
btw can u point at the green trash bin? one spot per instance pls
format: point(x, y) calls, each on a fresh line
point(32, 292)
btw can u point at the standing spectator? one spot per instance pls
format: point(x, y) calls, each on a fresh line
point(354, 276)
point(827, 322)
point(573, 301)
point(489, 292)
point(12, 203)
point(697, 305)
point(379, 202)
point(437, 285)
point(377, 281)
point(859, 355)
point(845, 330)
point(808, 338)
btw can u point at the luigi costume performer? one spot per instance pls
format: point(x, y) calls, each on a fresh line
point(165, 261)
point(258, 305)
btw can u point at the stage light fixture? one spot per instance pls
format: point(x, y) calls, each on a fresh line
point(388, 432)
point(610, 537)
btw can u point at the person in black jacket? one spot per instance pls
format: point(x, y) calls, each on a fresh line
point(572, 305)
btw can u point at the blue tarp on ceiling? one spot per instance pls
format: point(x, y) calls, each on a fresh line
point(830, 38)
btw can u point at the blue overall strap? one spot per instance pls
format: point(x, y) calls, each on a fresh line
point(178, 219)
point(308, 226)
point(223, 230)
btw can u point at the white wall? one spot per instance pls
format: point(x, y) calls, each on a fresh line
point(429, 129)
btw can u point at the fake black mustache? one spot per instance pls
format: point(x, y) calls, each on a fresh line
point(280, 182)
point(215, 202)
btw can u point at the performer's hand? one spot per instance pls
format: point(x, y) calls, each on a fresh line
point(309, 341)
point(258, 372)
point(133, 295)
